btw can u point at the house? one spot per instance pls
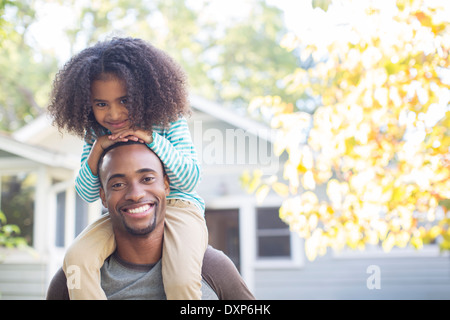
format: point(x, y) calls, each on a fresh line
point(40, 155)
point(269, 256)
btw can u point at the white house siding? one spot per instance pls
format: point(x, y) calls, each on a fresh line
point(22, 276)
point(346, 278)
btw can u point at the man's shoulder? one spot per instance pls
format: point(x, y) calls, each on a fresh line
point(223, 277)
point(57, 290)
point(218, 271)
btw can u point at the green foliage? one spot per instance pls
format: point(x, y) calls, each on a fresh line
point(252, 62)
point(18, 202)
point(25, 74)
point(9, 234)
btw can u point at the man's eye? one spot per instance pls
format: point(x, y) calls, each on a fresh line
point(117, 185)
point(149, 179)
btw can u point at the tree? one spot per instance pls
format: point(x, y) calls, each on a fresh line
point(379, 136)
point(230, 66)
point(25, 73)
point(220, 58)
point(250, 61)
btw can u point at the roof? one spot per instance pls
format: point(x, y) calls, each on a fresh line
point(37, 154)
point(214, 109)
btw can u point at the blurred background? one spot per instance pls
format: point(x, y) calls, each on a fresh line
point(322, 128)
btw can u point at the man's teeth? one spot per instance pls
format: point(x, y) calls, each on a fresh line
point(139, 209)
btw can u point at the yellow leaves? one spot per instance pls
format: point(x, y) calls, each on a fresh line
point(427, 21)
point(445, 233)
point(281, 189)
point(316, 244)
point(261, 193)
point(249, 182)
point(269, 104)
point(416, 242)
point(371, 57)
point(290, 174)
point(388, 243)
point(336, 192)
point(308, 181)
point(291, 131)
point(290, 41)
point(259, 185)
point(379, 142)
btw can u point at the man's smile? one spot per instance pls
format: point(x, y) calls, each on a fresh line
point(138, 210)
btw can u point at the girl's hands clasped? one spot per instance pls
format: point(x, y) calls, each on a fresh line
point(141, 136)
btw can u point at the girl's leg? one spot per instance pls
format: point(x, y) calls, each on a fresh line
point(85, 257)
point(185, 243)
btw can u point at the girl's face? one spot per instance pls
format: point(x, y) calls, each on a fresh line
point(109, 98)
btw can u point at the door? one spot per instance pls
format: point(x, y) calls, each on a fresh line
point(223, 229)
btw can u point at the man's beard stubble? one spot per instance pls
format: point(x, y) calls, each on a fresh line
point(144, 231)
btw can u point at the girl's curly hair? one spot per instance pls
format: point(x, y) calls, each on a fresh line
point(156, 86)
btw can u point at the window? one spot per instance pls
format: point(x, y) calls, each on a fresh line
point(80, 219)
point(60, 219)
point(273, 236)
point(81, 214)
point(223, 232)
point(17, 192)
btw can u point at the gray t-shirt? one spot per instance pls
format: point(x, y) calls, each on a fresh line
point(126, 281)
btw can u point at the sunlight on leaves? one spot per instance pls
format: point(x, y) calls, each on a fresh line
point(378, 143)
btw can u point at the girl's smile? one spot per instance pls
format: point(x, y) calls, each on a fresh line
point(116, 125)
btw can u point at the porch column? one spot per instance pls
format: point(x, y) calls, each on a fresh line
point(41, 211)
point(247, 236)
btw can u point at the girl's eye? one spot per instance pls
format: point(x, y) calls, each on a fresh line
point(123, 101)
point(100, 104)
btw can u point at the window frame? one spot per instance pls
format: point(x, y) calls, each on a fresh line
point(295, 259)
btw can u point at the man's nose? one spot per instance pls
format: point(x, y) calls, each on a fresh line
point(135, 192)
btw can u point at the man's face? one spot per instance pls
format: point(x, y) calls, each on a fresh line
point(134, 189)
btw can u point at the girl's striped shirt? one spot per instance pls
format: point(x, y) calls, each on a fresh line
point(177, 152)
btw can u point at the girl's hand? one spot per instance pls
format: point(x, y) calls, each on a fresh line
point(105, 141)
point(97, 149)
point(136, 135)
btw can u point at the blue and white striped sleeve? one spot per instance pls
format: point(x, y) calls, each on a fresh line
point(177, 153)
point(87, 185)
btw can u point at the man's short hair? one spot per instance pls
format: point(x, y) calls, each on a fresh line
point(116, 145)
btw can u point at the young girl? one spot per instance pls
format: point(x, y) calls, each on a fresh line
point(127, 89)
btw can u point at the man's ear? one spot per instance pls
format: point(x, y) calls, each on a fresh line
point(103, 197)
point(166, 184)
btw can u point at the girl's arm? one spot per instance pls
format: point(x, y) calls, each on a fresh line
point(87, 184)
point(177, 153)
point(174, 148)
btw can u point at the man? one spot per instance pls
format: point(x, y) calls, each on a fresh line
point(134, 189)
